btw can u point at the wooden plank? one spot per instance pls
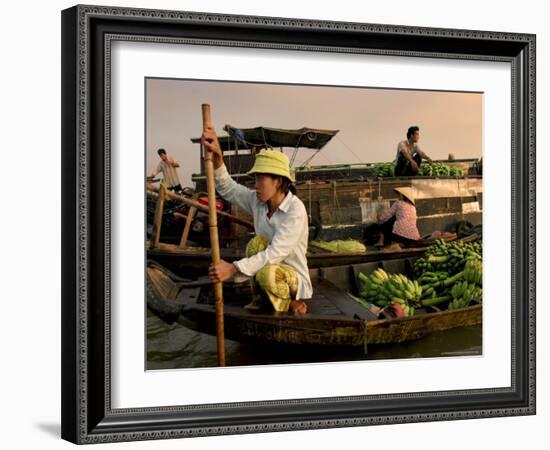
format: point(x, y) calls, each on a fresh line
point(430, 206)
point(187, 228)
point(343, 302)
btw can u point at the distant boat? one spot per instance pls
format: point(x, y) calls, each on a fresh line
point(184, 261)
point(335, 196)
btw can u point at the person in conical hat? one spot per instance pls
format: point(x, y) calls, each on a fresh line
point(398, 223)
point(279, 217)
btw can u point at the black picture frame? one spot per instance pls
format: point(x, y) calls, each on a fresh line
point(87, 415)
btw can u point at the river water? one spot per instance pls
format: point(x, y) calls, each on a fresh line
point(175, 346)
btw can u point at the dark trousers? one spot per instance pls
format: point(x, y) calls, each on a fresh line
point(403, 166)
point(389, 236)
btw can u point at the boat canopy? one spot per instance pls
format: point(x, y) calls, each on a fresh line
point(264, 137)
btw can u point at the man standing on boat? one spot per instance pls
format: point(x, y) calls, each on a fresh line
point(168, 168)
point(280, 221)
point(409, 155)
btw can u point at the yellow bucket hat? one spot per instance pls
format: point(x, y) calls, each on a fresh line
point(272, 162)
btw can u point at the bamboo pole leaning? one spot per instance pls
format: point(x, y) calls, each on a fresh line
point(157, 223)
point(201, 207)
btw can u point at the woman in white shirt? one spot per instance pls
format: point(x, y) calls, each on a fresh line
point(279, 216)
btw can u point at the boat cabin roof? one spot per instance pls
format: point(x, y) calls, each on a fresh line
point(265, 137)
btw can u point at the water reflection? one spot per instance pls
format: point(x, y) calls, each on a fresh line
point(174, 346)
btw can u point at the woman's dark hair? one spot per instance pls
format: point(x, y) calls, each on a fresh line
point(286, 185)
point(412, 130)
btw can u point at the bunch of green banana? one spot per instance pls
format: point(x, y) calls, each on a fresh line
point(450, 257)
point(463, 294)
point(383, 289)
point(455, 171)
point(473, 271)
point(433, 283)
point(435, 290)
point(401, 290)
point(386, 169)
point(373, 287)
point(420, 266)
point(438, 248)
point(438, 169)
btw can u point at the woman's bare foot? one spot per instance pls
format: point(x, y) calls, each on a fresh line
point(298, 306)
point(393, 247)
point(252, 305)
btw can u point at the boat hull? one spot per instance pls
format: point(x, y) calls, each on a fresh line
point(334, 318)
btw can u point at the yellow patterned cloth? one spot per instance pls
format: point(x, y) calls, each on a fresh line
point(278, 281)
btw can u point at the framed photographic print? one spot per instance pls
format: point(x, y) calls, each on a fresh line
point(261, 214)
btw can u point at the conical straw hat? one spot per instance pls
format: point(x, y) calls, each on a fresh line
point(406, 192)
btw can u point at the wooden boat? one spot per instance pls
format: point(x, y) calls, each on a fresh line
point(195, 260)
point(335, 196)
point(334, 318)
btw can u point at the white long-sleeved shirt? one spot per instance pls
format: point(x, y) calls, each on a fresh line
point(169, 172)
point(286, 230)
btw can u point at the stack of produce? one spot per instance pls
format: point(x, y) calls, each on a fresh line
point(458, 290)
point(450, 277)
point(396, 289)
point(433, 287)
point(469, 289)
point(386, 169)
point(447, 257)
point(341, 246)
point(438, 169)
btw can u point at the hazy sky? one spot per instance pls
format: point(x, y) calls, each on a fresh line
point(371, 121)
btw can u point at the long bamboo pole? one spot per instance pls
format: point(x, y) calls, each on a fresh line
point(214, 242)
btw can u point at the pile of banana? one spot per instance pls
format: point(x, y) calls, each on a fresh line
point(456, 286)
point(447, 257)
point(386, 169)
point(473, 271)
point(373, 287)
point(458, 290)
point(432, 284)
point(438, 169)
point(464, 293)
point(469, 289)
point(382, 289)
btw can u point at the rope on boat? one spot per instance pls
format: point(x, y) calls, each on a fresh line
point(349, 148)
point(324, 155)
point(295, 151)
